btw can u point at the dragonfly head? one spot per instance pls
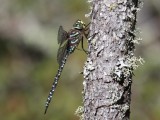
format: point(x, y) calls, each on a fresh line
point(79, 24)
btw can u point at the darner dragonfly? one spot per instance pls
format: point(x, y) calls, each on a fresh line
point(68, 42)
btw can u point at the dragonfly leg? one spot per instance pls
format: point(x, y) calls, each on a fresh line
point(86, 29)
point(92, 36)
point(83, 47)
point(86, 32)
point(87, 26)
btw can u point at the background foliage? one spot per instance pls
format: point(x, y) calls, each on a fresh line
point(28, 50)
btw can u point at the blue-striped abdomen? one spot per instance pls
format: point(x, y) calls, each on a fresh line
point(54, 85)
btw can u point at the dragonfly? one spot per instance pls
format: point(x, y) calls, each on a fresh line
point(68, 42)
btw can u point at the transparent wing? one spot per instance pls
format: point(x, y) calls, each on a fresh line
point(62, 35)
point(62, 51)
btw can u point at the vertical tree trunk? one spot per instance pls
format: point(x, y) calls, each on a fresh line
point(111, 61)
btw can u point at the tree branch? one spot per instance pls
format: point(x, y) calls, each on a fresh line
point(111, 61)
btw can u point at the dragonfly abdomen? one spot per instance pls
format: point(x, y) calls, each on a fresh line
point(56, 78)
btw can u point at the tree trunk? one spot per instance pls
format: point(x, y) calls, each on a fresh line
point(111, 61)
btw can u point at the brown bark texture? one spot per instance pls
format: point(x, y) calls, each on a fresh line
point(110, 63)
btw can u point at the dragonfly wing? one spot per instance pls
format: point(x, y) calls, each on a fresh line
point(62, 35)
point(62, 51)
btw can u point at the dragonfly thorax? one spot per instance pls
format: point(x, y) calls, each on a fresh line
point(75, 36)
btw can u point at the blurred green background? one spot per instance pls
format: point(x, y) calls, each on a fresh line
point(28, 50)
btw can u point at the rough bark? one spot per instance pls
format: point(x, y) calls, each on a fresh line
point(111, 61)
